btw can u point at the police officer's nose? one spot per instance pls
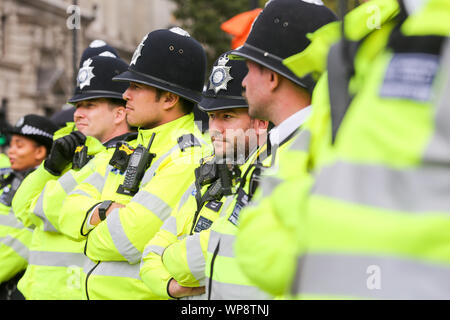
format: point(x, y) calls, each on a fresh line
point(126, 95)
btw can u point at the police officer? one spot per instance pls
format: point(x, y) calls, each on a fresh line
point(236, 138)
point(31, 142)
point(379, 230)
point(128, 205)
point(55, 261)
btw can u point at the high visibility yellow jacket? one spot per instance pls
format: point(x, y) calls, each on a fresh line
point(55, 261)
point(4, 161)
point(210, 253)
point(385, 225)
point(14, 237)
point(116, 244)
point(364, 230)
point(177, 227)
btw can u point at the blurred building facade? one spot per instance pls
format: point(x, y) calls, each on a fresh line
point(37, 45)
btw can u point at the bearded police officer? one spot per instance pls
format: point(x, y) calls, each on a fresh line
point(236, 137)
point(55, 261)
point(31, 142)
point(120, 213)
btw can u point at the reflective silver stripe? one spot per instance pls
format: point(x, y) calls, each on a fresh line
point(155, 249)
point(10, 220)
point(226, 243)
point(67, 182)
point(108, 170)
point(227, 203)
point(16, 245)
point(80, 193)
point(57, 259)
point(153, 203)
point(268, 184)
point(39, 211)
point(120, 239)
point(116, 269)
point(170, 225)
point(195, 257)
point(412, 190)
point(230, 291)
point(149, 174)
point(184, 198)
point(96, 180)
point(302, 141)
point(371, 277)
point(152, 249)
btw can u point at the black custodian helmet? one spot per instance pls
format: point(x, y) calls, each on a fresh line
point(98, 48)
point(280, 31)
point(94, 79)
point(170, 60)
point(224, 89)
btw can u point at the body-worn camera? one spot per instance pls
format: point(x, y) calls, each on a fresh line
point(121, 156)
point(80, 157)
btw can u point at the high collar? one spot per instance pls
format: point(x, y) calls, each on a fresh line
point(286, 128)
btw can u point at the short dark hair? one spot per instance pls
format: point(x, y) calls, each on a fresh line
point(116, 102)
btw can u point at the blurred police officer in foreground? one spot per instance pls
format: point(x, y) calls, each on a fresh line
point(236, 138)
point(55, 261)
point(96, 48)
point(31, 142)
point(373, 223)
point(165, 78)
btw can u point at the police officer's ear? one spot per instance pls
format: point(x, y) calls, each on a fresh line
point(260, 126)
point(40, 153)
point(170, 100)
point(120, 114)
point(274, 79)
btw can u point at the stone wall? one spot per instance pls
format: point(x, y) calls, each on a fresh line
point(36, 45)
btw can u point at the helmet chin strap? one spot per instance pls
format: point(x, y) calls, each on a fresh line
point(413, 5)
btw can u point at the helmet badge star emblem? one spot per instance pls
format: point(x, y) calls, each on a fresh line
point(85, 75)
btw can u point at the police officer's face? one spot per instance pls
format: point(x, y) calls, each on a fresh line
point(94, 118)
point(232, 132)
point(143, 106)
point(25, 153)
point(256, 89)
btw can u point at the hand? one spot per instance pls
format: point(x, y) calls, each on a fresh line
point(62, 152)
point(95, 218)
point(177, 291)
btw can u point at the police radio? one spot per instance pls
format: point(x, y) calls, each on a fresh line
point(139, 161)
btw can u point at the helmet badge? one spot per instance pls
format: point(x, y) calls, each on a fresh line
point(137, 53)
point(85, 75)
